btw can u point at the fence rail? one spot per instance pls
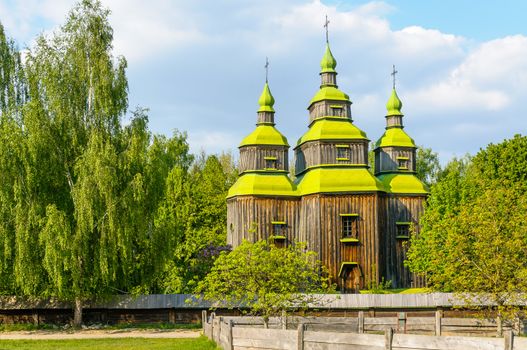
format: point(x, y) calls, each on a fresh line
point(240, 333)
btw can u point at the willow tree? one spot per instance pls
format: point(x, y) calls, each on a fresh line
point(88, 188)
point(12, 98)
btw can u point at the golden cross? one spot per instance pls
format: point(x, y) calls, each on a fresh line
point(266, 68)
point(326, 25)
point(393, 75)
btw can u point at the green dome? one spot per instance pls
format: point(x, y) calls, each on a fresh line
point(328, 62)
point(270, 184)
point(395, 137)
point(337, 180)
point(403, 183)
point(394, 104)
point(332, 129)
point(265, 135)
point(266, 100)
point(329, 93)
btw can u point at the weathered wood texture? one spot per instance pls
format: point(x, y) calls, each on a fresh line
point(265, 118)
point(386, 158)
point(251, 218)
point(315, 153)
point(253, 157)
point(257, 338)
point(407, 209)
point(321, 227)
point(329, 109)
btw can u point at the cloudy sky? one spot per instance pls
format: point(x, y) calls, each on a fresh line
point(198, 65)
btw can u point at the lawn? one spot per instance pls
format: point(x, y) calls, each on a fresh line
point(201, 343)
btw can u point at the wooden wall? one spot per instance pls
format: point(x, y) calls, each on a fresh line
point(386, 158)
point(321, 227)
point(324, 109)
point(325, 152)
point(399, 209)
point(251, 217)
point(253, 157)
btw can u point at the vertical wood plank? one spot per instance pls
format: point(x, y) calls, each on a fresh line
point(388, 338)
point(439, 315)
point(508, 339)
point(300, 337)
point(361, 321)
point(230, 343)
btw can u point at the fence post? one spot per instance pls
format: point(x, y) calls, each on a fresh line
point(203, 319)
point(300, 337)
point(508, 337)
point(439, 315)
point(388, 337)
point(361, 321)
point(230, 344)
point(401, 325)
point(212, 316)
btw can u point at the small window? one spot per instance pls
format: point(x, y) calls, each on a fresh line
point(350, 226)
point(279, 229)
point(402, 163)
point(270, 163)
point(336, 111)
point(402, 230)
point(343, 152)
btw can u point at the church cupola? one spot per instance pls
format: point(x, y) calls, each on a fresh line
point(264, 162)
point(395, 151)
point(332, 156)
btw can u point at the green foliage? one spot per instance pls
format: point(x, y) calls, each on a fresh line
point(266, 279)
point(427, 165)
point(90, 207)
point(473, 239)
point(201, 217)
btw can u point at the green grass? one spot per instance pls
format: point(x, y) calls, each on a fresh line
point(201, 343)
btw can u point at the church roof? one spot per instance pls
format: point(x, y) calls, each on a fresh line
point(329, 93)
point(328, 62)
point(332, 128)
point(265, 135)
point(266, 100)
point(337, 179)
point(261, 183)
point(395, 137)
point(400, 183)
point(394, 104)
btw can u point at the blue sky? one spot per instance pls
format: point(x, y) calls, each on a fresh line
point(198, 65)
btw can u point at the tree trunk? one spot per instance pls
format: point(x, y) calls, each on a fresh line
point(266, 322)
point(77, 313)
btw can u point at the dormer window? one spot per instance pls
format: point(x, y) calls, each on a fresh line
point(402, 163)
point(343, 152)
point(270, 163)
point(337, 111)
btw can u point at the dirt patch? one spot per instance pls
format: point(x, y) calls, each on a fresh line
point(99, 334)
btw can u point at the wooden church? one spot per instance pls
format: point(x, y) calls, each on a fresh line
point(357, 219)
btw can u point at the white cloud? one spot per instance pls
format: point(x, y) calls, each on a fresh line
point(145, 29)
point(200, 59)
point(212, 141)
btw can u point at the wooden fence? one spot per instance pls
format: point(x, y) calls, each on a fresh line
point(240, 333)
